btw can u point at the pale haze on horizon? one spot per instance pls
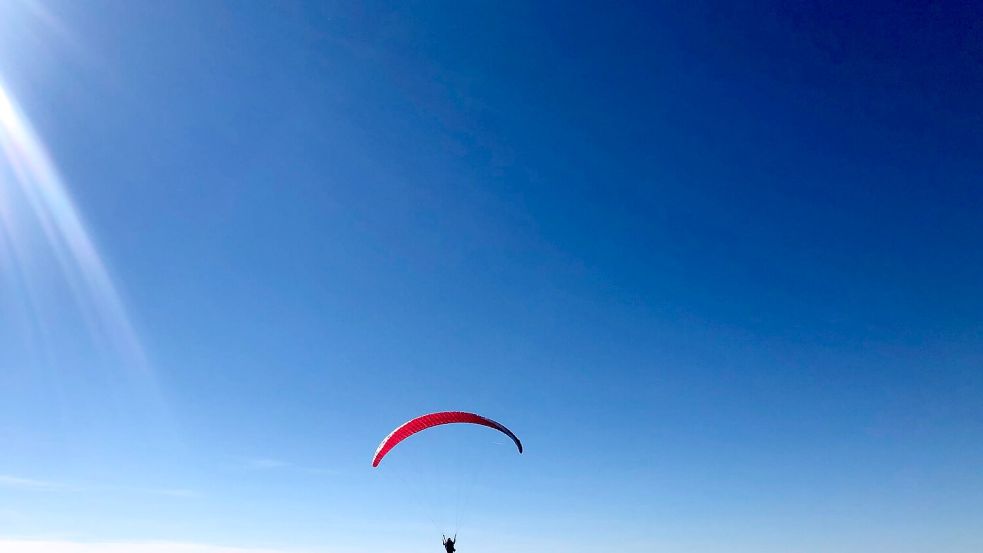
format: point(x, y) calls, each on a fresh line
point(718, 266)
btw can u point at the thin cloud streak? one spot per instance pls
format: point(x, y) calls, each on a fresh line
point(17, 482)
point(264, 464)
point(268, 464)
point(32, 484)
point(176, 492)
point(33, 546)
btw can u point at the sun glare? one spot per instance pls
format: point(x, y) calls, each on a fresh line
point(35, 200)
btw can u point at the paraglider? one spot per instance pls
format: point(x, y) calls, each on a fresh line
point(430, 420)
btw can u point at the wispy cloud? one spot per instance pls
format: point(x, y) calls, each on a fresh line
point(17, 482)
point(32, 484)
point(318, 470)
point(262, 463)
point(168, 492)
point(32, 546)
point(266, 463)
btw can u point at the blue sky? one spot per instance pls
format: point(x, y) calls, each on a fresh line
point(718, 267)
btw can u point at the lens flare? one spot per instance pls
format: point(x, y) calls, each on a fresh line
point(38, 218)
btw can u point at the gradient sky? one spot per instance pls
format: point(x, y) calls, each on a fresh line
point(720, 268)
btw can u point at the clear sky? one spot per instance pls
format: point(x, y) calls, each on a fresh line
point(721, 268)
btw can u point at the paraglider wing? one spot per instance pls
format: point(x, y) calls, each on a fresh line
point(424, 422)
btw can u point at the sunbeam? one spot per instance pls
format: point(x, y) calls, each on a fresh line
point(33, 198)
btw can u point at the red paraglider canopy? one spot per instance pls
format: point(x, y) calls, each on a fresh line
point(424, 422)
